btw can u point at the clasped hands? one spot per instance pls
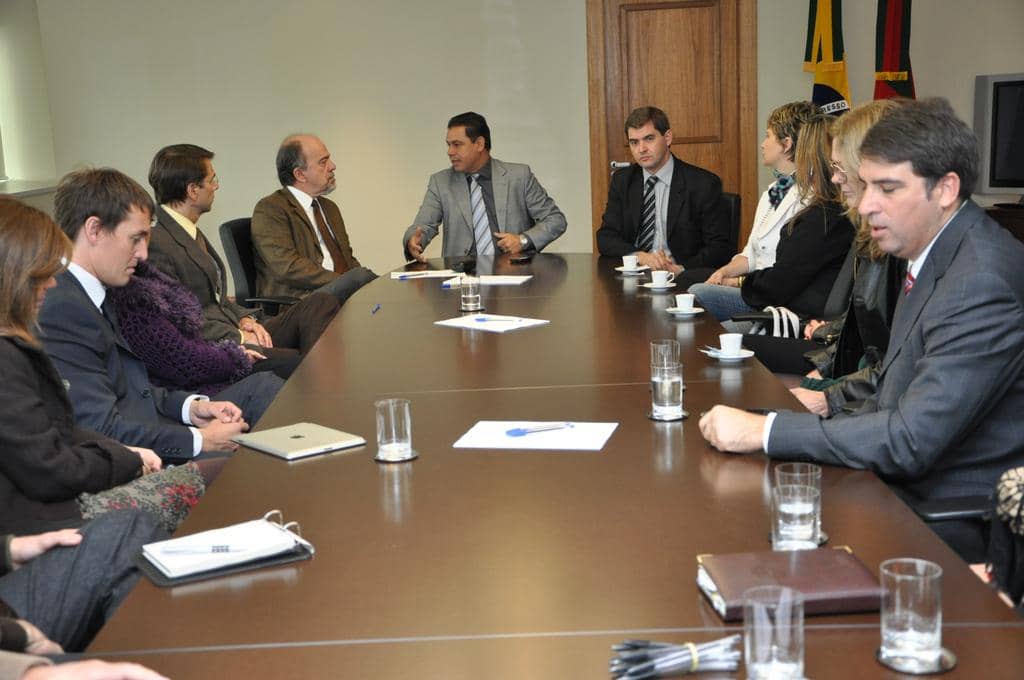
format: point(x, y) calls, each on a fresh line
point(218, 422)
point(507, 243)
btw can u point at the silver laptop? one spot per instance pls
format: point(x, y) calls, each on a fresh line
point(300, 440)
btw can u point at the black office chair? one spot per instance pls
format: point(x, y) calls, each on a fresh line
point(731, 205)
point(236, 237)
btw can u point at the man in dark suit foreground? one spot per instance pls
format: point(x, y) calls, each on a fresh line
point(668, 213)
point(107, 215)
point(946, 418)
point(297, 232)
point(185, 184)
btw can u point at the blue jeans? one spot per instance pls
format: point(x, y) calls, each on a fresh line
point(724, 302)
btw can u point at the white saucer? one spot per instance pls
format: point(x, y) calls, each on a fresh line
point(652, 286)
point(692, 311)
point(632, 272)
point(729, 358)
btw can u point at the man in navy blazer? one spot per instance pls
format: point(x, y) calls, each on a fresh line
point(946, 418)
point(687, 225)
point(107, 216)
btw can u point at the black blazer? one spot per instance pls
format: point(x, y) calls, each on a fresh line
point(697, 226)
point(45, 460)
point(108, 385)
point(810, 254)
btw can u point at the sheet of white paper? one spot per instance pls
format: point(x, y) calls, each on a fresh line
point(425, 274)
point(487, 280)
point(493, 434)
point(493, 323)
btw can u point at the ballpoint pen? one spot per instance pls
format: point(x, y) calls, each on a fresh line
point(199, 549)
point(522, 431)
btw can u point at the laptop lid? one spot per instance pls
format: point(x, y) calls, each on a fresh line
point(299, 440)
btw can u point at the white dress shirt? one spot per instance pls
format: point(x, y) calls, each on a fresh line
point(306, 201)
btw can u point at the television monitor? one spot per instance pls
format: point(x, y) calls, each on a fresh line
point(999, 125)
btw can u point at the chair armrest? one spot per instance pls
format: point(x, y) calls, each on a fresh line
point(958, 507)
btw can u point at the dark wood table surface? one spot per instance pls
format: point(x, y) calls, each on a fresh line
point(471, 563)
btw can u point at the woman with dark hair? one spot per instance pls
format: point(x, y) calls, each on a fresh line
point(53, 473)
point(811, 246)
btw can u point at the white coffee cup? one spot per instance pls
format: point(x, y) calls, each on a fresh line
point(662, 278)
point(731, 343)
point(629, 261)
point(684, 301)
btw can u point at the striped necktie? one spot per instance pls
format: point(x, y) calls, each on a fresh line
point(645, 237)
point(908, 283)
point(481, 225)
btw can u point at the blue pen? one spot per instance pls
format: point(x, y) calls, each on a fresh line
point(523, 431)
point(414, 275)
point(376, 308)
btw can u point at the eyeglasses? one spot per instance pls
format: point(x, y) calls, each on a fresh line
point(838, 169)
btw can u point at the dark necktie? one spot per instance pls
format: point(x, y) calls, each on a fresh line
point(908, 283)
point(325, 233)
point(645, 237)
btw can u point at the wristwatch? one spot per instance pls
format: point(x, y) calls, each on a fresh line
point(524, 242)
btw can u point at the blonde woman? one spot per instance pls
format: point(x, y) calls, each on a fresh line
point(811, 246)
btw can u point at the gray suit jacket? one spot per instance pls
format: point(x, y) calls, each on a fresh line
point(946, 420)
point(175, 253)
point(520, 202)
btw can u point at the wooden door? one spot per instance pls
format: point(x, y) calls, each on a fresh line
point(694, 59)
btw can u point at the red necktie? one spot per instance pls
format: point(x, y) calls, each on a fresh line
point(908, 283)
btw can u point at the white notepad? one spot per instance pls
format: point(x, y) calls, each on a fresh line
point(492, 323)
point(219, 548)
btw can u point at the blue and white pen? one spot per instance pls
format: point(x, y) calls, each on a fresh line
point(547, 427)
point(413, 275)
point(199, 549)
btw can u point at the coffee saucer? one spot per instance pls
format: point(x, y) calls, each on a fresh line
point(632, 272)
point(684, 313)
point(654, 286)
point(728, 358)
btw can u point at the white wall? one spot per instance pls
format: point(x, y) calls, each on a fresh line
point(24, 106)
point(376, 80)
point(951, 41)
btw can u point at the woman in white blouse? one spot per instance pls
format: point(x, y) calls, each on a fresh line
point(779, 202)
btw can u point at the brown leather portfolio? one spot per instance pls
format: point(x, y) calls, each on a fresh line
point(832, 580)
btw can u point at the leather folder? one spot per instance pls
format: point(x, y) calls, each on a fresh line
point(832, 580)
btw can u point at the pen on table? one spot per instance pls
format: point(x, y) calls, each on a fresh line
point(199, 549)
point(413, 275)
point(484, 319)
point(520, 431)
point(376, 308)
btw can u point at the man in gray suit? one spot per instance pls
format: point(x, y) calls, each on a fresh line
point(486, 205)
point(946, 418)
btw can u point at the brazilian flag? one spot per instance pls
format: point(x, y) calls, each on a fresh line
point(825, 56)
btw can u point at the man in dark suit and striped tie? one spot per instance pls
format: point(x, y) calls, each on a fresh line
point(667, 212)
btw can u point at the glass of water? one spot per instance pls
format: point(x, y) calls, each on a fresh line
point(773, 633)
point(804, 474)
point(667, 392)
point(795, 512)
point(911, 614)
point(470, 288)
point(394, 431)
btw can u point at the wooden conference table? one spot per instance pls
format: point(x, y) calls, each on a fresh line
point(473, 563)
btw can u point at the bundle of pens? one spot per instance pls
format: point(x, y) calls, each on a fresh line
point(639, 659)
